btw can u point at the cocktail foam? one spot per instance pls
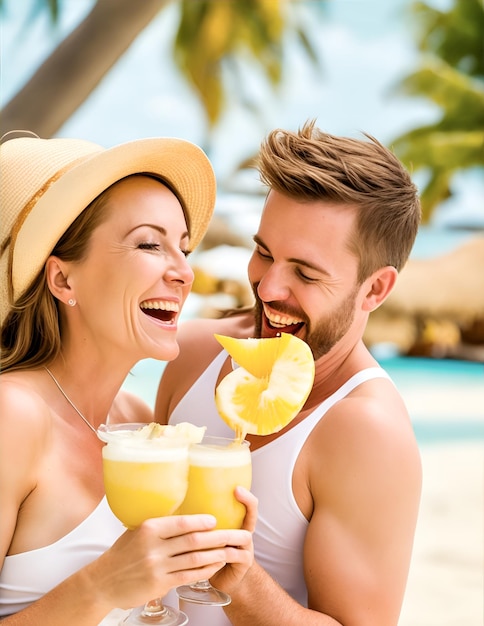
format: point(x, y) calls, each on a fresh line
point(215, 456)
point(148, 451)
point(139, 434)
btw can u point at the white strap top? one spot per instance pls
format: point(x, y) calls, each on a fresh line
point(26, 577)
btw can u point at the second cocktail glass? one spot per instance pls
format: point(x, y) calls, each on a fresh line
point(217, 466)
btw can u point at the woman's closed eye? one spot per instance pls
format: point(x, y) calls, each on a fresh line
point(146, 245)
point(154, 246)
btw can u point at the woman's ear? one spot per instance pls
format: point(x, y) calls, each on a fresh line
point(380, 284)
point(56, 273)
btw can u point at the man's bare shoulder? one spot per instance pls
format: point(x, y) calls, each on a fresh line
point(372, 427)
point(127, 407)
point(198, 334)
point(198, 348)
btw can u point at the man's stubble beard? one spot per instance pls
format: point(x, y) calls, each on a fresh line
point(327, 331)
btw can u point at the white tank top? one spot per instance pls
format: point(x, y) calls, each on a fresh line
point(281, 527)
point(26, 577)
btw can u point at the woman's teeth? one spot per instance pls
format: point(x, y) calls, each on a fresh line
point(161, 305)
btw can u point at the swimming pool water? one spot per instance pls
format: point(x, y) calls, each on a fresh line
point(445, 398)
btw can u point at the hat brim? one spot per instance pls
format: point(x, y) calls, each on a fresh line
point(182, 164)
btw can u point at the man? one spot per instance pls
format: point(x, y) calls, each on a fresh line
point(339, 487)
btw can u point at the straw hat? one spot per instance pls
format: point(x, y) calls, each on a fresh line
point(46, 183)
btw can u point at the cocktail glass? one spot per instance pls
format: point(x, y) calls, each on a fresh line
point(217, 466)
point(144, 478)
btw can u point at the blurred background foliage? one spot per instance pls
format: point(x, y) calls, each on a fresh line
point(451, 74)
point(212, 37)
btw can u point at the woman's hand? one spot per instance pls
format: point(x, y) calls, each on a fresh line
point(165, 552)
point(240, 556)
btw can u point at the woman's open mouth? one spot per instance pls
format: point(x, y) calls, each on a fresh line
point(162, 310)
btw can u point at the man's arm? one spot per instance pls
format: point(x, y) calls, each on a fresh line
point(260, 601)
point(364, 476)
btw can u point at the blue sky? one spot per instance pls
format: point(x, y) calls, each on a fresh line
point(365, 47)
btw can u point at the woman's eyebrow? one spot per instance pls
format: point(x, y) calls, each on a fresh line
point(158, 228)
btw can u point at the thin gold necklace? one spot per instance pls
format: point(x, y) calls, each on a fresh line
point(70, 401)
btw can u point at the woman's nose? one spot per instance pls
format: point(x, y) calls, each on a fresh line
point(180, 271)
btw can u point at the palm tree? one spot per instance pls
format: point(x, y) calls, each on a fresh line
point(210, 34)
point(452, 76)
point(213, 34)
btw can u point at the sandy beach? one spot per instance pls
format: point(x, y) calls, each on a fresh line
point(445, 585)
point(446, 580)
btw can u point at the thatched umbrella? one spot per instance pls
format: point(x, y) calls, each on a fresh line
point(436, 307)
point(450, 286)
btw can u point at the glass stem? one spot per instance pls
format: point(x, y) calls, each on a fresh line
point(201, 585)
point(154, 608)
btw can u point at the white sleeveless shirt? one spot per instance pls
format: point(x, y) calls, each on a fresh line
point(281, 527)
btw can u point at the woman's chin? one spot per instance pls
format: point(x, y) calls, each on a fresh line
point(166, 351)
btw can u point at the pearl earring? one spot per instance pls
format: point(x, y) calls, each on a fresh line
point(71, 302)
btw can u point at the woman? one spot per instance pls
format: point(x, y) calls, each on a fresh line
point(93, 277)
